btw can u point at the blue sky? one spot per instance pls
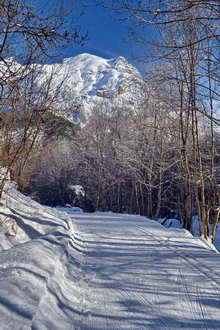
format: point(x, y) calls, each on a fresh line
point(108, 37)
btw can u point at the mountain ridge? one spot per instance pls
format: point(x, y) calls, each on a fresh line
point(89, 79)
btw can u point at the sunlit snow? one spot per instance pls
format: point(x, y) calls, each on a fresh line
point(74, 270)
point(86, 80)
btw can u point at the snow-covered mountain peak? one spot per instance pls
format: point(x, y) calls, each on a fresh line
point(88, 79)
point(96, 73)
point(121, 64)
point(93, 63)
point(87, 62)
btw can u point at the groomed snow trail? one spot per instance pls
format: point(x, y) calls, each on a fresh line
point(136, 274)
point(102, 271)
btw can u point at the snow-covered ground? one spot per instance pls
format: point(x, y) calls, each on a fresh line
point(101, 271)
point(176, 224)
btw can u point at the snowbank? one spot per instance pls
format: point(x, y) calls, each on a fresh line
point(174, 224)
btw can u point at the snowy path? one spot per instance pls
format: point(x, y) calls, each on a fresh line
point(138, 275)
point(103, 272)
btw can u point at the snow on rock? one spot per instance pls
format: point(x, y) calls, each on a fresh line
point(75, 270)
point(89, 74)
point(170, 223)
point(86, 80)
point(78, 189)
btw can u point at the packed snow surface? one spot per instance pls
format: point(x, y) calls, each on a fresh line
point(74, 270)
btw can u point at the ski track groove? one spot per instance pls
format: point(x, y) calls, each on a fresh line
point(85, 279)
point(194, 263)
point(197, 308)
point(87, 246)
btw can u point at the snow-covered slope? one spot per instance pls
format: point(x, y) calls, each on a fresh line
point(86, 80)
point(82, 82)
point(93, 75)
point(101, 271)
point(90, 75)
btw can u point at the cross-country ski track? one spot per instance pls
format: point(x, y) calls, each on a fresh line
point(136, 274)
point(102, 271)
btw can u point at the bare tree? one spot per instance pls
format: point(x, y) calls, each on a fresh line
point(20, 100)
